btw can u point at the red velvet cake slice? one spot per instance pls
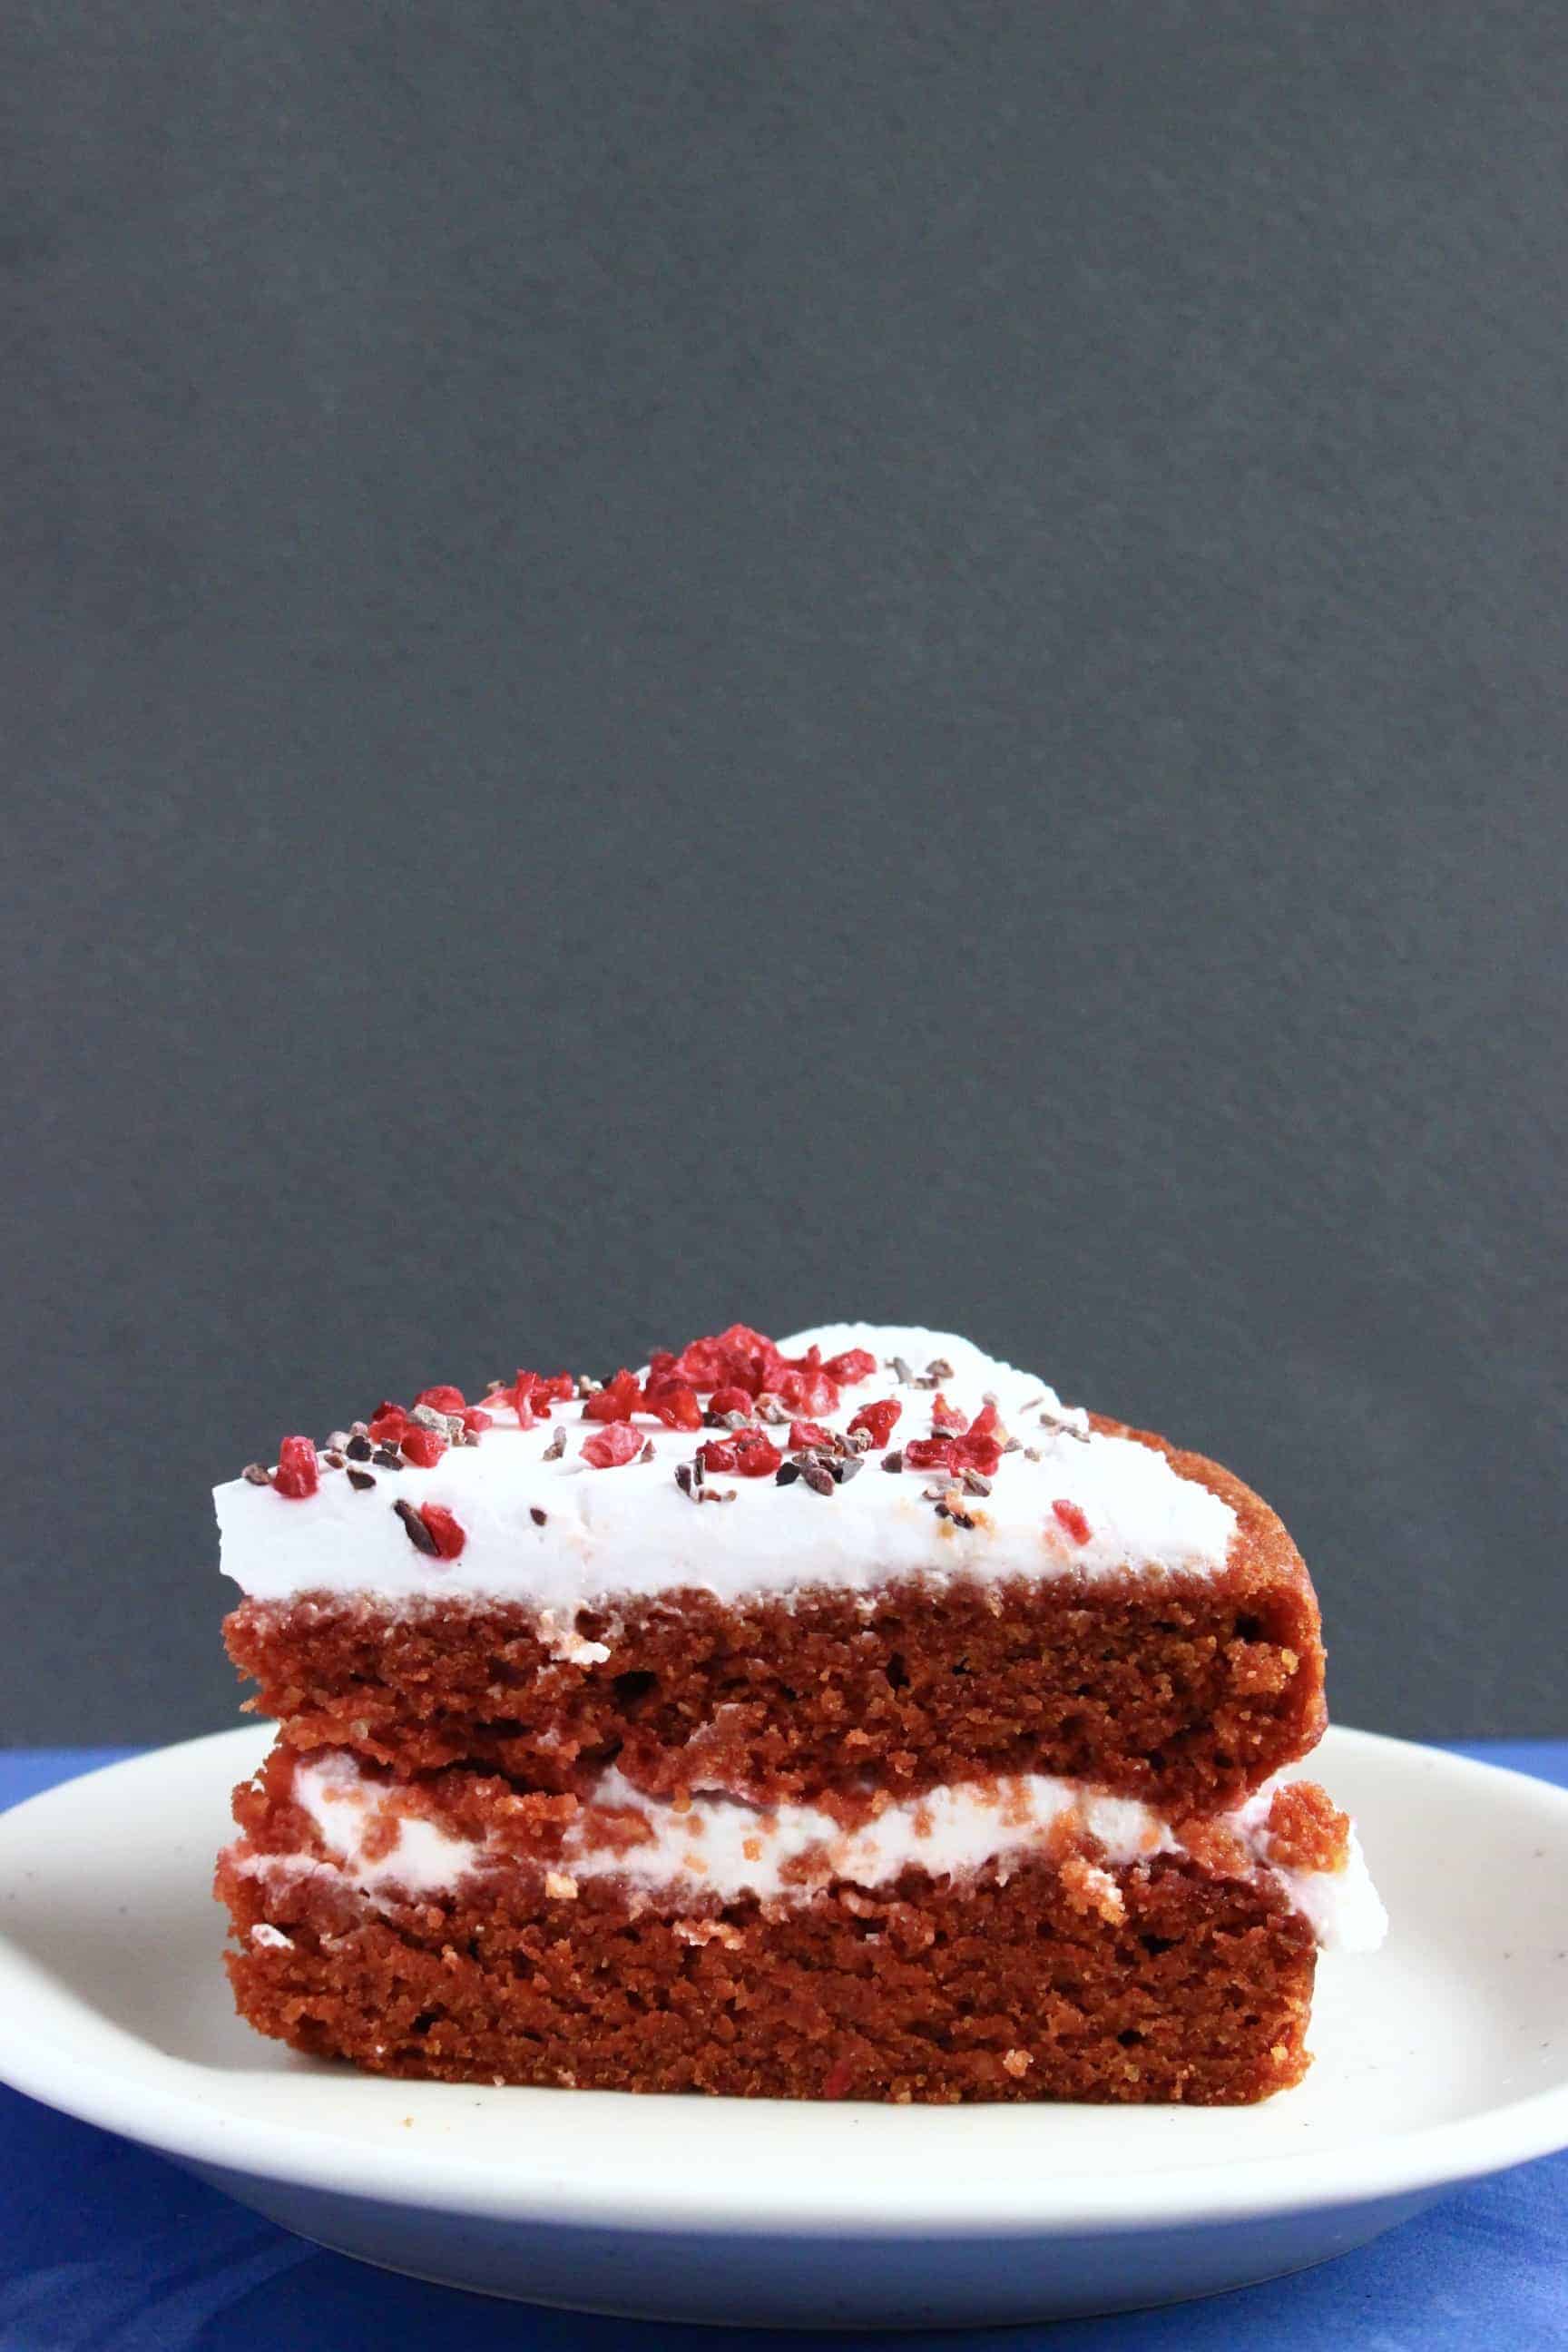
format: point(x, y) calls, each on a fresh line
point(844, 1716)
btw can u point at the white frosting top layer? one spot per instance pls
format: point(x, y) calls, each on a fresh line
point(560, 1533)
point(720, 1848)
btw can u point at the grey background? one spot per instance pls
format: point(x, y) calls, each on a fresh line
point(776, 660)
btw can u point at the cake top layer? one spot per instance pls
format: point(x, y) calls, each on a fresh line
point(738, 1467)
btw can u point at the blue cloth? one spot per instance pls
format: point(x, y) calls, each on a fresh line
point(105, 2249)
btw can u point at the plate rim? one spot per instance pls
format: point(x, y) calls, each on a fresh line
point(160, 2114)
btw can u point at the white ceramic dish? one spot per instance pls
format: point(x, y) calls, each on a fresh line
point(1443, 2058)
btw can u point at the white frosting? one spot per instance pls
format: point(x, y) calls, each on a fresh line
point(630, 1530)
point(721, 1849)
point(951, 1832)
point(1343, 1907)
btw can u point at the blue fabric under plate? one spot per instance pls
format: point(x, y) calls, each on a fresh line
point(104, 2249)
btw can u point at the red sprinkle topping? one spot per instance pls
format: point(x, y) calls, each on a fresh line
point(741, 1358)
point(615, 1442)
point(732, 1368)
point(744, 1453)
point(442, 1399)
point(445, 1533)
point(879, 1418)
point(756, 1456)
point(297, 1474)
point(530, 1395)
point(1069, 1517)
point(731, 1400)
point(738, 1358)
point(953, 1448)
point(811, 1390)
point(617, 1401)
point(675, 1404)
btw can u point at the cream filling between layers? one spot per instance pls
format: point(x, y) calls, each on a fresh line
point(722, 1849)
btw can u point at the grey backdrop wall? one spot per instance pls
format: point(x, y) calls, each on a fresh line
point(901, 660)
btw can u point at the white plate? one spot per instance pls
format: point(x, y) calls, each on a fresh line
point(1443, 2058)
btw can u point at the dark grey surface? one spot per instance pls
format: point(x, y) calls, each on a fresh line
point(774, 661)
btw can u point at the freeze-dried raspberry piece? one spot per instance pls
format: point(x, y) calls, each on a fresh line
point(617, 1401)
point(749, 1359)
point(756, 1456)
point(475, 1419)
point(423, 1447)
point(811, 1390)
point(718, 1454)
point(1072, 1518)
point(929, 1454)
point(978, 1447)
point(531, 1394)
point(609, 1446)
point(445, 1532)
point(675, 1404)
point(442, 1399)
point(297, 1474)
point(729, 1400)
point(738, 1358)
point(701, 1365)
point(879, 1418)
point(744, 1359)
point(387, 1423)
point(947, 1419)
point(807, 1432)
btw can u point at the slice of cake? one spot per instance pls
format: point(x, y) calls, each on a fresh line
point(840, 1717)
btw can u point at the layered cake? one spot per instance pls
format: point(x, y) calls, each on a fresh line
point(839, 1717)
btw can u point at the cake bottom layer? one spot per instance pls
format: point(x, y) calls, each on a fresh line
point(1044, 1980)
